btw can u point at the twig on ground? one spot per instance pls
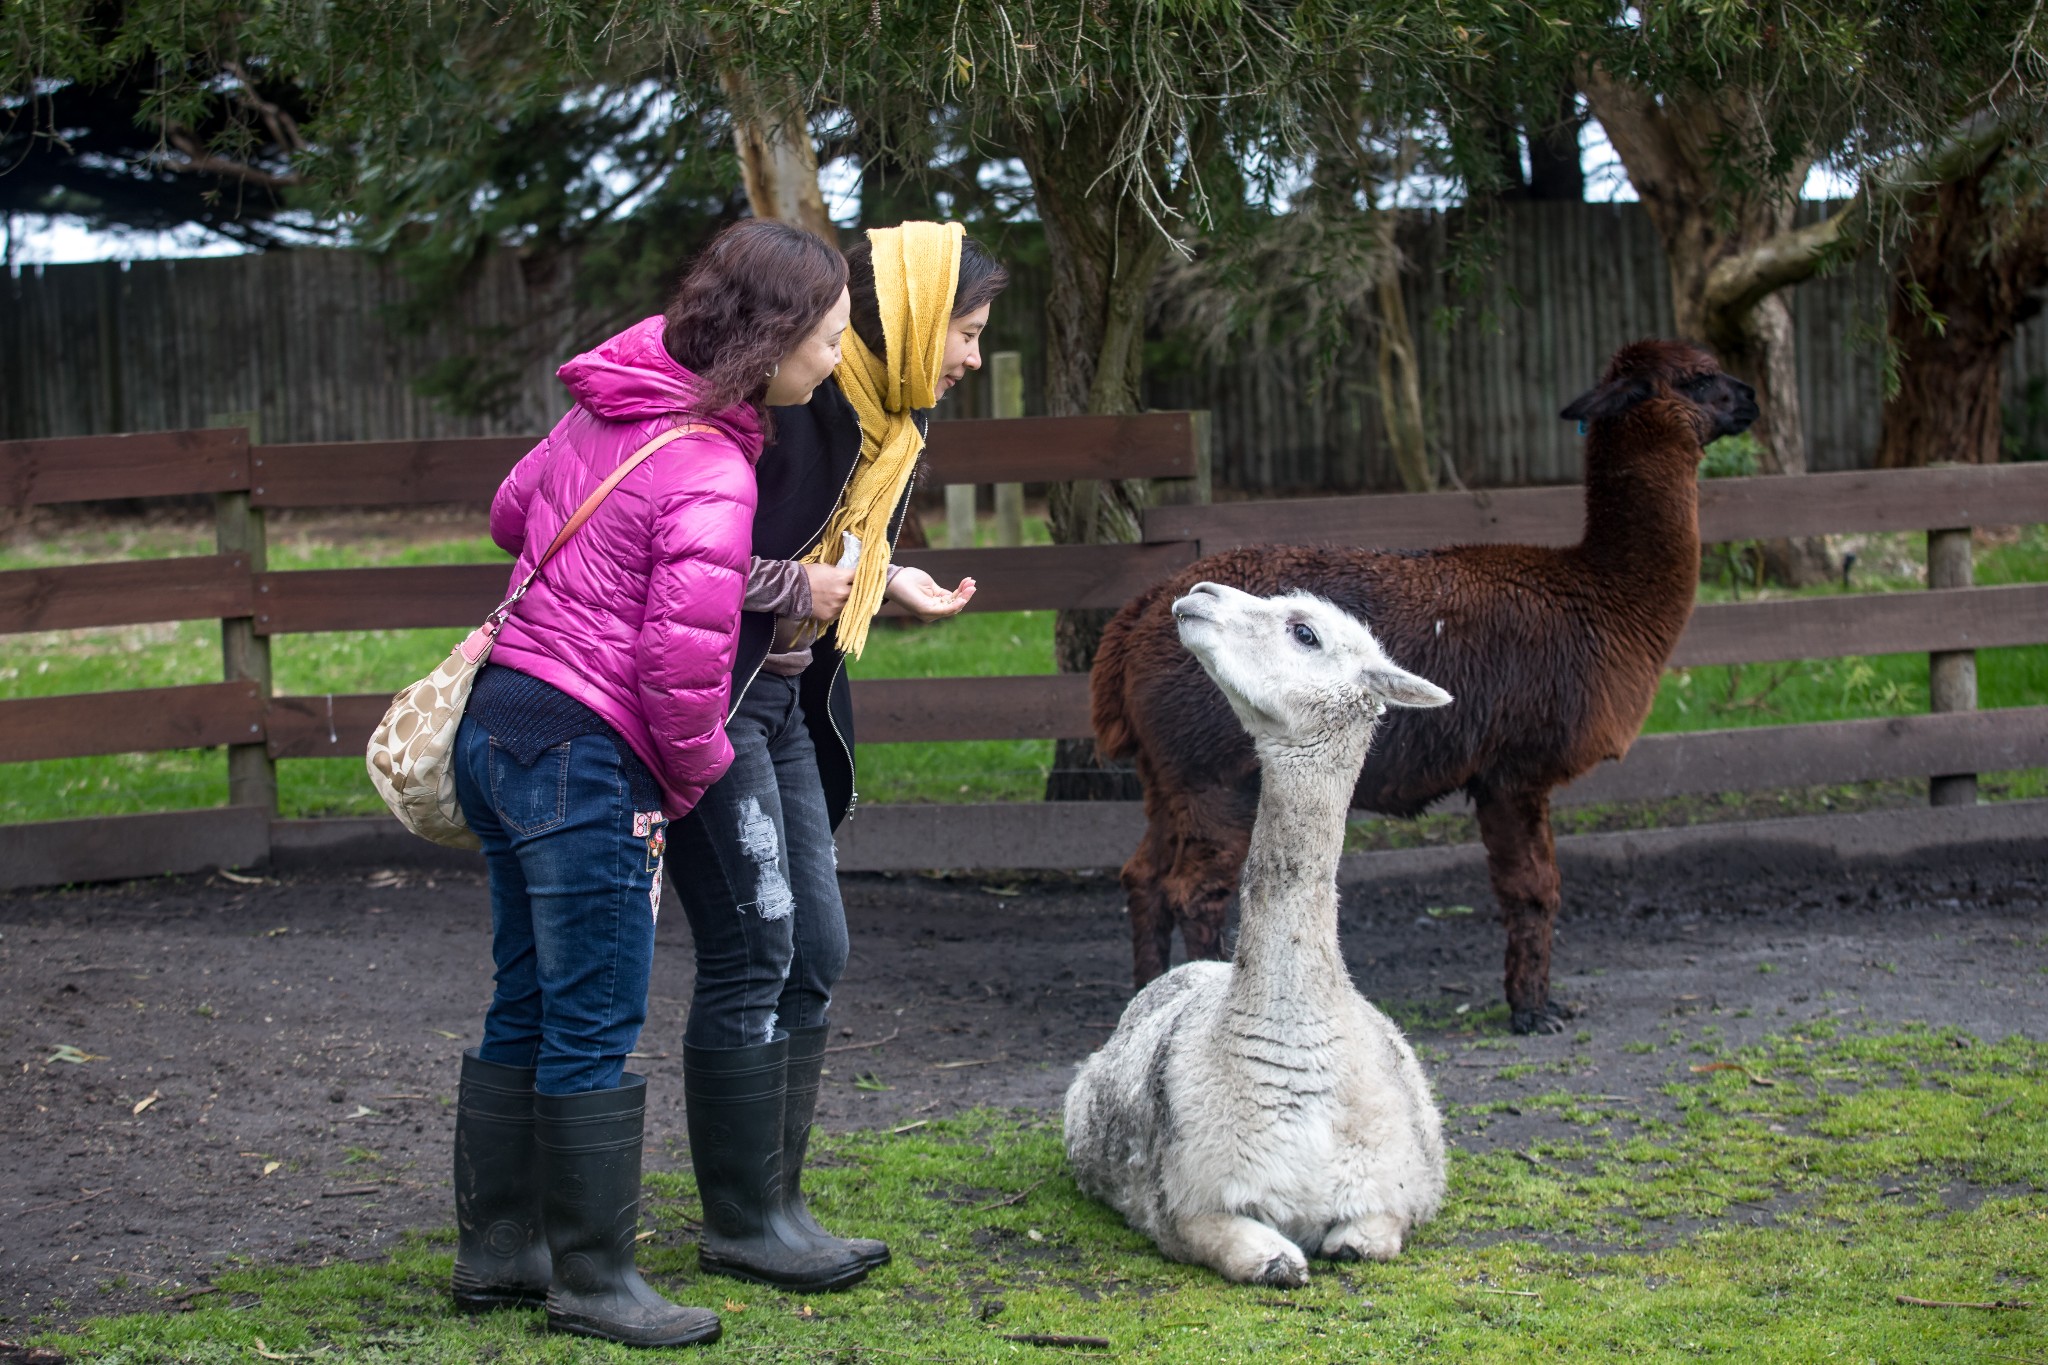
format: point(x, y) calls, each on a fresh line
point(955, 1066)
point(105, 967)
point(1512, 1293)
point(856, 1047)
point(1729, 1198)
point(350, 1191)
point(1017, 1198)
point(2003, 1305)
point(1047, 1339)
point(196, 1291)
point(908, 1127)
point(1289, 1303)
point(83, 1196)
point(1754, 1079)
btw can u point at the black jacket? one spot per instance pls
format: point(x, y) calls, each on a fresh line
point(802, 476)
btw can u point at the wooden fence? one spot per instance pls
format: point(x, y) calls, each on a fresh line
point(257, 729)
point(300, 344)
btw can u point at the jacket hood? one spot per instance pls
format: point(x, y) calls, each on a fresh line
point(632, 378)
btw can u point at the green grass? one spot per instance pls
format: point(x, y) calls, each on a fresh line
point(1720, 1218)
point(991, 643)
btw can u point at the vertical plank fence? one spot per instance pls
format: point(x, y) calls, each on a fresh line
point(172, 344)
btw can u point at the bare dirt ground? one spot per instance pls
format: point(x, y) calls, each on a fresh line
point(200, 1069)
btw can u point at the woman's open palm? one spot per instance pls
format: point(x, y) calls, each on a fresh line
point(914, 591)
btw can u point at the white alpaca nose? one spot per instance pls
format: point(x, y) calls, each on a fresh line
point(1198, 601)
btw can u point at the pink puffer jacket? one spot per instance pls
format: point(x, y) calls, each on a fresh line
point(636, 617)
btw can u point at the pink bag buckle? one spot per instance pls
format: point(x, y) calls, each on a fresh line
point(479, 642)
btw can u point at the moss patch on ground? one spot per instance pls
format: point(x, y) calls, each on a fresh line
point(1767, 1205)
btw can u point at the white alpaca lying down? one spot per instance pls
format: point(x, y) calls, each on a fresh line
point(1249, 1115)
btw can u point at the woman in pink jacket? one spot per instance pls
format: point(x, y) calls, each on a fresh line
point(599, 719)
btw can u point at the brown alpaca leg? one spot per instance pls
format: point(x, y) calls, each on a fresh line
point(1145, 901)
point(1523, 863)
point(1216, 831)
point(1199, 894)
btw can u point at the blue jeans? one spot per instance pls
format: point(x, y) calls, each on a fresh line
point(575, 872)
point(757, 875)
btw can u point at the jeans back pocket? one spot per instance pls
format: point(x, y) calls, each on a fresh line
point(531, 799)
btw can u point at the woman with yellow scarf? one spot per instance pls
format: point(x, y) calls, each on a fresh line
point(753, 862)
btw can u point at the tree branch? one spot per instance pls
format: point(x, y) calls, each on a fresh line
point(1738, 283)
point(284, 129)
point(199, 161)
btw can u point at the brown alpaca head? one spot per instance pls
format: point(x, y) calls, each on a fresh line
point(1714, 403)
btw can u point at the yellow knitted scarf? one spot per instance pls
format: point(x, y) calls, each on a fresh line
point(917, 269)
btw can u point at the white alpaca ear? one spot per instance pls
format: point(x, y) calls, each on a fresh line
point(1398, 687)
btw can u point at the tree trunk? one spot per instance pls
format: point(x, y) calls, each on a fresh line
point(1557, 171)
point(1669, 150)
point(1104, 253)
point(1550, 126)
point(1400, 376)
point(777, 159)
point(1950, 402)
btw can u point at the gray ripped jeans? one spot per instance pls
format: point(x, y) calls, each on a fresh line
point(753, 867)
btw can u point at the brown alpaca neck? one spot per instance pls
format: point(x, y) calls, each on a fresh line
point(1642, 515)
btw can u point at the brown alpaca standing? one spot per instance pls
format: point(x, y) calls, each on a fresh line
point(1553, 656)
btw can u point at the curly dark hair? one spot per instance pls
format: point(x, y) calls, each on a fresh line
point(982, 277)
point(748, 298)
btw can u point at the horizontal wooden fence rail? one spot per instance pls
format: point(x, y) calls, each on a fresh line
point(128, 592)
point(1730, 509)
point(885, 711)
point(1704, 762)
point(1863, 623)
point(193, 717)
point(383, 473)
point(302, 601)
point(1032, 578)
point(148, 464)
point(1153, 445)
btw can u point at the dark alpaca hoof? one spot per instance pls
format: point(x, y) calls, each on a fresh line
point(1549, 1018)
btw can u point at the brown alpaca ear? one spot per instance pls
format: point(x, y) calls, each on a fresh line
point(1611, 399)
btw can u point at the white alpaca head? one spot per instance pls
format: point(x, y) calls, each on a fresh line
point(1294, 668)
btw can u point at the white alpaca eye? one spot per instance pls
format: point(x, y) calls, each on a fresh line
point(1305, 636)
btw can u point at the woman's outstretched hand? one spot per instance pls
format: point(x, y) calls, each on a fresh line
point(830, 587)
point(916, 593)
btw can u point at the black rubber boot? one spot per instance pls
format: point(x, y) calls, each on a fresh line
point(799, 1106)
point(590, 1172)
point(735, 1102)
point(501, 1257)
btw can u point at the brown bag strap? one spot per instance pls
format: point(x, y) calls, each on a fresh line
point(590, 505)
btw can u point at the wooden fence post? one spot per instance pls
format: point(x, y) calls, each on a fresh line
point(1006, 380)
point(252, 773)
point(1193, 491)
point(960, 516)
point(1951, 674)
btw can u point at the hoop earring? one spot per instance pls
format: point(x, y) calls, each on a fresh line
point(777, 370)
